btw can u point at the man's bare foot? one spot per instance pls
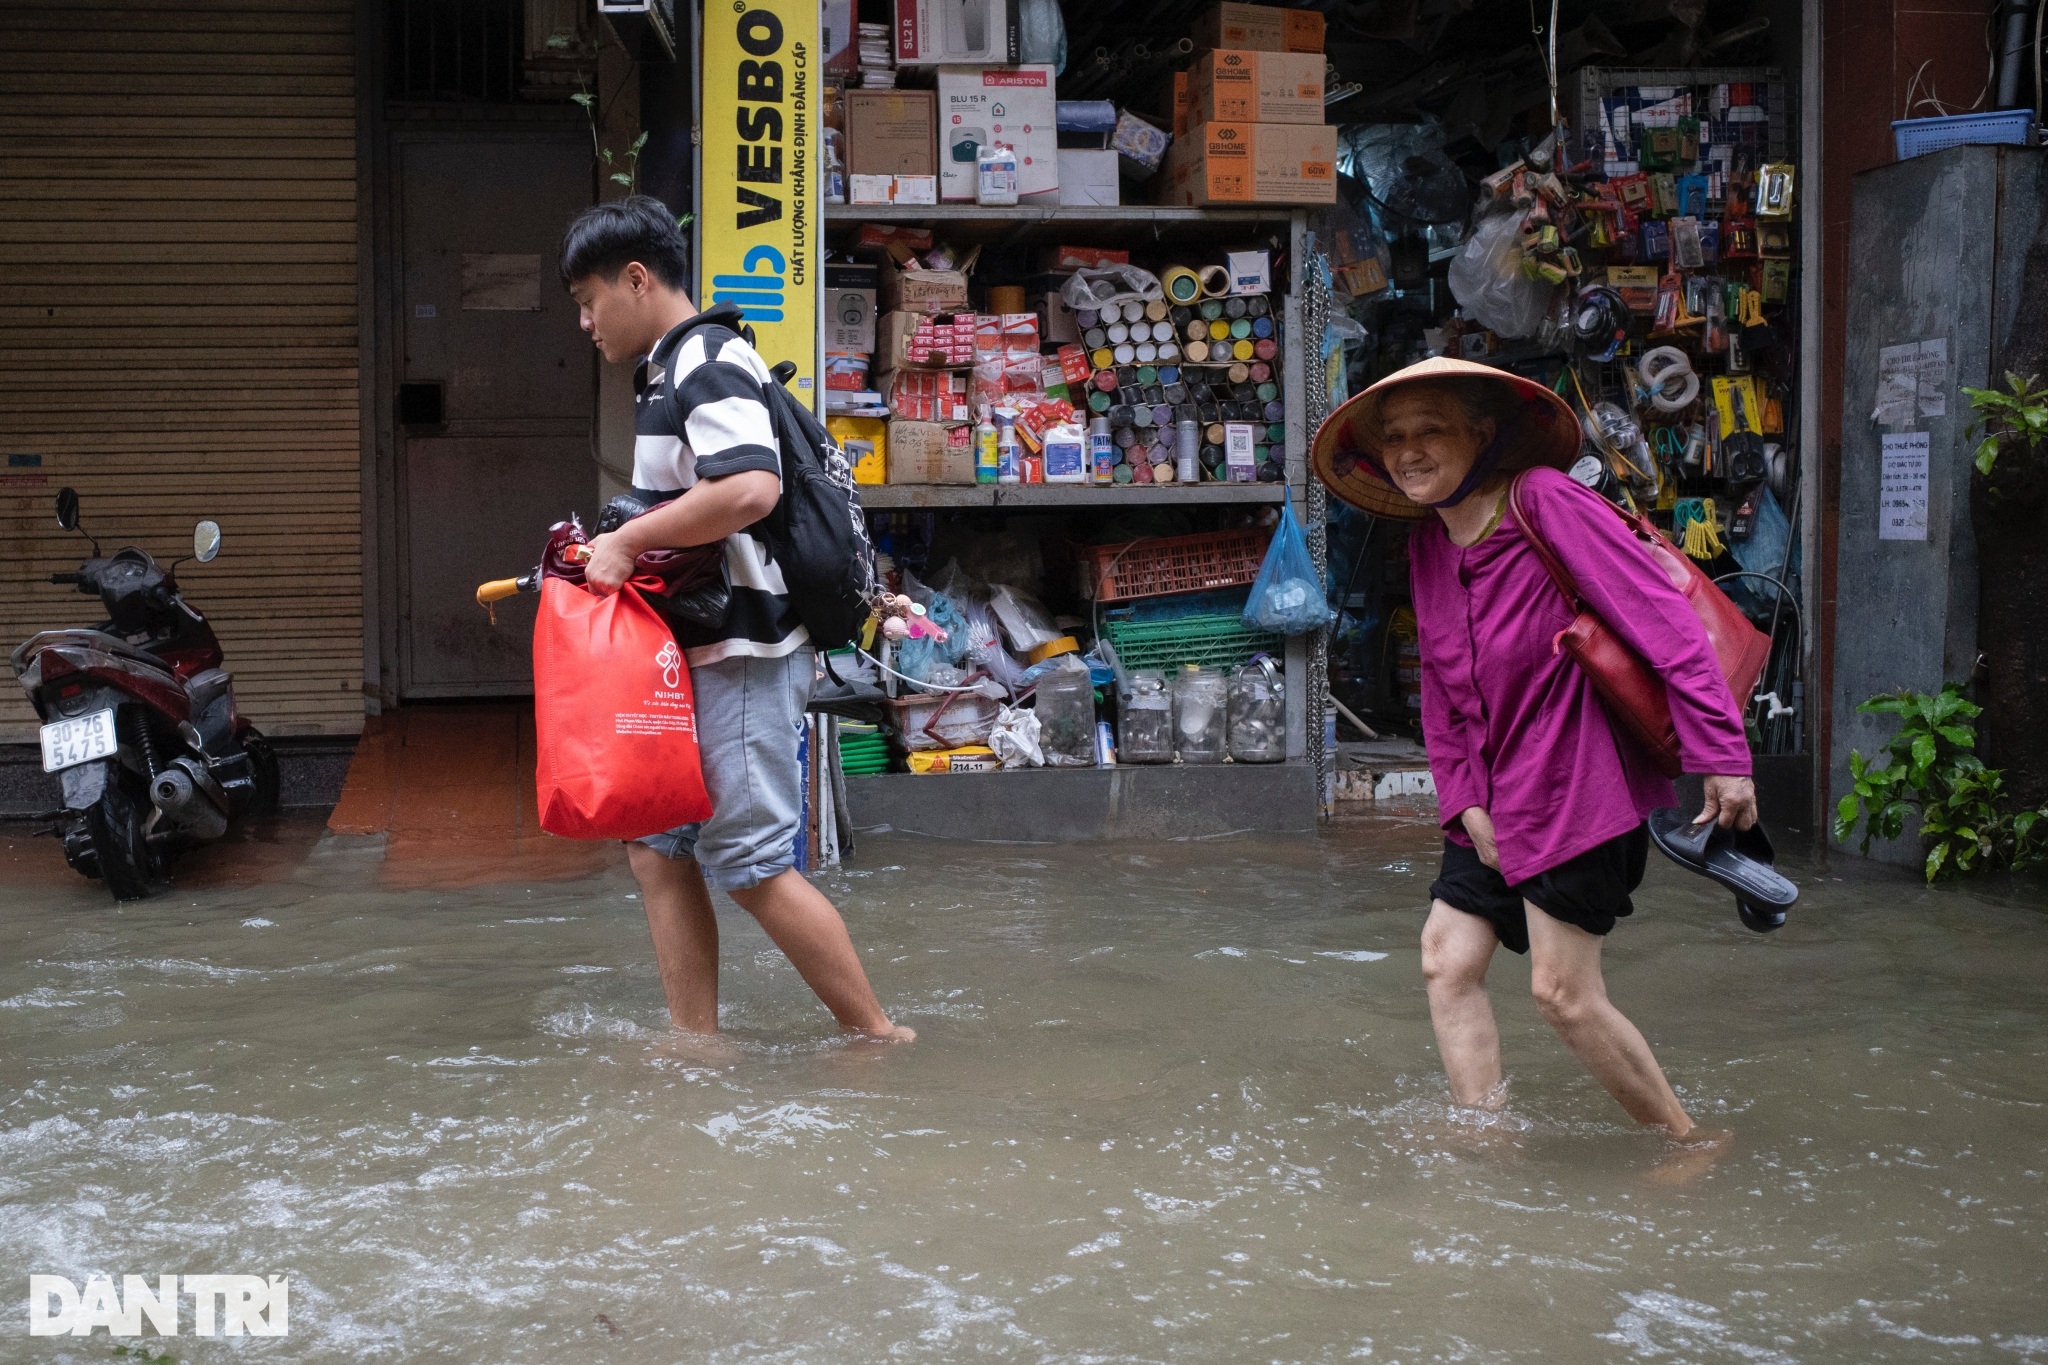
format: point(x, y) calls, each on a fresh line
point(1691, 1156)
point(702, 1049)
point(888, 1033)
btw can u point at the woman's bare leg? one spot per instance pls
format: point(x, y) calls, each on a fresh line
point(1456, 948)
point(1569, 989)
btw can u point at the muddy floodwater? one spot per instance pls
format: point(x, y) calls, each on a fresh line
point(1170, 1102)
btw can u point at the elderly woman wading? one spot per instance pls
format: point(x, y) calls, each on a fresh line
point(1543, 802)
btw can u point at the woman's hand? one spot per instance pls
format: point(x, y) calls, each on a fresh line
point(1731, 801)
point(609, 566)
point(1479, 827)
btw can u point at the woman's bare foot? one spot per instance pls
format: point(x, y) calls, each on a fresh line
point(1692, 1154)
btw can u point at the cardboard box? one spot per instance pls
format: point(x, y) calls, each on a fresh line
point(923, 291)
point(920, 341)
point(1013, 105)
point(1251, 272)
point(1239, 85)
point(849, 317)
point(1089, 178)
point(891, 132)
point(927, 395)
point(934, 32)
point(866, 443)
point(1253, 163)
point(1182, 100)
point(1260, 28)
point(1057, 322)
point(892, 189)
point(930, 452)
point(839, 34)
point(1065, 260)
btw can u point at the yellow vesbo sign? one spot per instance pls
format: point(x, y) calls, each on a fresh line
point(758, 174)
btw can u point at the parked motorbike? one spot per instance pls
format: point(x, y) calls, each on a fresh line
point(139, 719)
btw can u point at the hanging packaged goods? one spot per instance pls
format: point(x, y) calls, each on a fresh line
point(760, 246)
point(1639, 259)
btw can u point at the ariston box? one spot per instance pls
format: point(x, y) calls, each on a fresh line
point(1240, 85)
point(1253, 163)
point(934, 32)
point(1013, 105)
point(1262, 28)
point(849, 316)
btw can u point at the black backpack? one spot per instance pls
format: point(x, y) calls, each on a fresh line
point(817, 532)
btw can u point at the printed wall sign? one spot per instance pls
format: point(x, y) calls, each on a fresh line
point(762, 144)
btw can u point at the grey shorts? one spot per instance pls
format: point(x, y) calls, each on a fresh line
point(750, 722)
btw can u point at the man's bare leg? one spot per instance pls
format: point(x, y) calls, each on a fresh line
point(1456, 949)
point(1570, 991)
point(685, 933)
point(808, 929)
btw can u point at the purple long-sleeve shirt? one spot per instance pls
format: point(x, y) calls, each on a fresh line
point(1512, 725)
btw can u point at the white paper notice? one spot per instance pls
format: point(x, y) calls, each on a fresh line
point(1898, 385)
point(1934, 377)
point(1902, 487)
point(1912, 378)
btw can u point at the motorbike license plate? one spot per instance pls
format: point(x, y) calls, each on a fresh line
point(68, 743)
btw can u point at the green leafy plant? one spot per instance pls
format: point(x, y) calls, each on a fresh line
point(2020, 410)
point(1931, 766)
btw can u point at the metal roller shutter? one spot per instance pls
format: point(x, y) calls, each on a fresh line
point(178, 325)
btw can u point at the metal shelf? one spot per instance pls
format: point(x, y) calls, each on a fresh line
point(899, 496)
point(1027, 220)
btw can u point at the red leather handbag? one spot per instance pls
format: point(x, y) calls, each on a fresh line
point(1633, 693)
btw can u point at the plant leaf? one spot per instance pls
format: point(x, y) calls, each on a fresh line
point(1935, 858)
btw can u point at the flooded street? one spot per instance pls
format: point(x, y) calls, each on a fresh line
point(1171, 1101)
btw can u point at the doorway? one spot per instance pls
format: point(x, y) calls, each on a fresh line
point(496, 390)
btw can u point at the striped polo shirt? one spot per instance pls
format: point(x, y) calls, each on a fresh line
point(700, 412)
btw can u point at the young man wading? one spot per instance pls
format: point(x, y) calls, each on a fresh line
point(705, 450)
point(1543, 802)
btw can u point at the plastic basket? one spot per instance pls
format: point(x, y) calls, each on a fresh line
point(1171, 564)
point(1211, 641)
point(1919, 136)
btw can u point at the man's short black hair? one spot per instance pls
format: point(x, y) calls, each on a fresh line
point(605, 238)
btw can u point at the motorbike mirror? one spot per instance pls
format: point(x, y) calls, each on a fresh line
point(206, 541)
point(67, 509)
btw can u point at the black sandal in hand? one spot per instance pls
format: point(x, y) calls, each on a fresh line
point(1739, 859)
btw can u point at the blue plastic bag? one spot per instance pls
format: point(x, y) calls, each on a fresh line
point(1287, 596)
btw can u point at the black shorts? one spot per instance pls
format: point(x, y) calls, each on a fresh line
point(1590, 891)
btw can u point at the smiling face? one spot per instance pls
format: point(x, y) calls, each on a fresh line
point(624, 316)
point(1427, 443)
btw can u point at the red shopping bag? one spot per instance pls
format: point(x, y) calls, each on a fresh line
point(615, 729)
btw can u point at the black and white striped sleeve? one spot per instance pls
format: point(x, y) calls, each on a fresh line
point(726, 422)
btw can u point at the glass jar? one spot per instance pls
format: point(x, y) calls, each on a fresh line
point(1145, 721)
point(1200, 697)
point(1258, 714)
point(1066, 718)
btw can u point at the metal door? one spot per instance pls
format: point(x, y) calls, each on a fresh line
point(496, 389)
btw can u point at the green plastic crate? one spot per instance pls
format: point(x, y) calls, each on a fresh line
point(1210, 641)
